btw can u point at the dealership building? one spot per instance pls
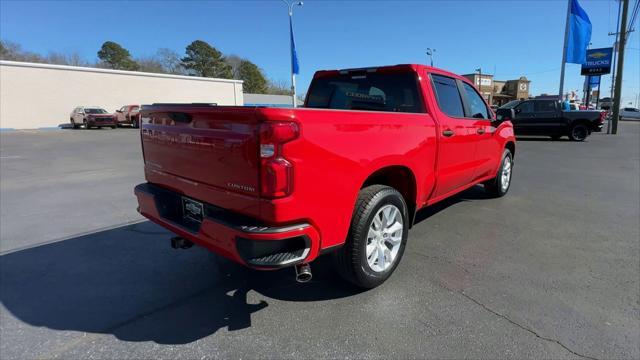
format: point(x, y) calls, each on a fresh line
point(500, 92)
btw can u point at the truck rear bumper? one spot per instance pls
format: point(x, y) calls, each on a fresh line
point(232, 235)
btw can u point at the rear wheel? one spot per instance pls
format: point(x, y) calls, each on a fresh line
point(86, 125)
point(498, 186)
point(579, 132)
point(377, 237)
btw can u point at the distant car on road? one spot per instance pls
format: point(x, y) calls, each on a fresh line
point(629, 113)
point(129, 115)
point(545, 117)
point(605, 103)
point(92, 116)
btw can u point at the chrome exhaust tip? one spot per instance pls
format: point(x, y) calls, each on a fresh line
point(303, 273)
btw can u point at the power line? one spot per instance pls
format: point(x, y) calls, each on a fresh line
point(634, 16)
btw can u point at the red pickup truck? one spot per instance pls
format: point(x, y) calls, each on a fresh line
point(346, 173)
point(128, 115)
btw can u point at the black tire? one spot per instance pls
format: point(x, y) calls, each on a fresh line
point(86, 125)
point(114, 126)
point(579, 132)
point(350, 259)
point(134, 123)
point(494, 187)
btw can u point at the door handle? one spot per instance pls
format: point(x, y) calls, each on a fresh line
point(448, 133)
point(480, 131)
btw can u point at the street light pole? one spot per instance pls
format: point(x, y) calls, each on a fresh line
point(479, 70)
point(430, 52)
point(291, 49)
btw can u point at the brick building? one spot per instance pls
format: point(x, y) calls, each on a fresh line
point(499, 92)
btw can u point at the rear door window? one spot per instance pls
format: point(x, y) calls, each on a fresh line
point(525, 107)
point(364, 90)
point(448, 96)
point(544, 106)
point(477, 107)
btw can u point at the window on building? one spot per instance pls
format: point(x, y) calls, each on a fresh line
point(477, 107)
point(448, 95)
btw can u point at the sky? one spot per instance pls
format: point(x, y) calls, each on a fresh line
point(506, 38)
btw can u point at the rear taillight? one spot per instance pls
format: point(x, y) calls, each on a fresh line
point(276, 173)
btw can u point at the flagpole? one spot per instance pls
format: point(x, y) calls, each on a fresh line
point(293, 74)
point(290, 5)
point(564, 50)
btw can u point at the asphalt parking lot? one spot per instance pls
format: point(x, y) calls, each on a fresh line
point(550, 271)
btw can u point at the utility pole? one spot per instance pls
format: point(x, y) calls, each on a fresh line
point(618, 86)
point(613, 69)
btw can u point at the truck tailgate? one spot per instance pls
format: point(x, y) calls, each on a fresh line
point(203, 144)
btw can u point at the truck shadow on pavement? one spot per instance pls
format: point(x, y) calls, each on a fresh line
point(129, 282)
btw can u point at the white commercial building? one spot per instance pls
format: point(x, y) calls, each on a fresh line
point(42, 95)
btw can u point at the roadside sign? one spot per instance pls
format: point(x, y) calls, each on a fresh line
point(594, 81)
point(598, 62)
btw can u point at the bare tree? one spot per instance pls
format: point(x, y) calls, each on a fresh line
point(150, 64)
point(170, 61)
point(73, 59)
point(278, 87)
point(234, 61)
point(12, 51)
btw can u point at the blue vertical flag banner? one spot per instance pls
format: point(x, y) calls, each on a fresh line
point(295, 68)
point(579, 34)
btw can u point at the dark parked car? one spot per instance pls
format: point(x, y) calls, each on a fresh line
point(545, 117)
point(91, 116)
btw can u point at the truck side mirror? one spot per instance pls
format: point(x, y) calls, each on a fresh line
point(504, 115)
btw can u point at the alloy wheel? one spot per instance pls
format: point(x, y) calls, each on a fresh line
point(384, 238)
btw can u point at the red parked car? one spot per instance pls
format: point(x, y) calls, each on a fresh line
point(128, 115)
point(91, 116)
point(271, 188)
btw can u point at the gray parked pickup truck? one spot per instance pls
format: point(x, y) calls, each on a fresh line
point(546, 118)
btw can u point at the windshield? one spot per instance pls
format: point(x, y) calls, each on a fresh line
point(510, 104)
point(362, 90)
point(95, 111)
